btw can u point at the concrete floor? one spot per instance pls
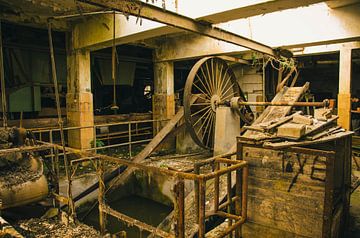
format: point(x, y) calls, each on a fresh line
point(354, 230)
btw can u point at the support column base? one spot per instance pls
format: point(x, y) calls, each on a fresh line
point(80, 114)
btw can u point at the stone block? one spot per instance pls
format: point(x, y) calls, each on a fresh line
point(291, 130)
point(300, 119)
point(322, 114)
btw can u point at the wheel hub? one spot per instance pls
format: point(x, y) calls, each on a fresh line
point(215, 99)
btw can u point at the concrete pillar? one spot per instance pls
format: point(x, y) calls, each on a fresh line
point(79, 99)
point(344, 104)
point(163, 99)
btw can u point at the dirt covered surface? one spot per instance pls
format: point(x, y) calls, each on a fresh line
point(15, 174)
point(54, 228)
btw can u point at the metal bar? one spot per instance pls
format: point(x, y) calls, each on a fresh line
point(228, 195)
point(60, 121)
point(137, 223)
point(148, 11)
point(196, 188)
point(238, 187)
point(216, 185)
point(225, 170)
point(230, 229)
point(101, 197)
point(202, 200)
point(180, 207)
point(325, 103)
point(2, 79)
point(130, 139)
point(244, 192)
point(98, 125)
point(57, 174)
point(225, 204)
point(228, 215)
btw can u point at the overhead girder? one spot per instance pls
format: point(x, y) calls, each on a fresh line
point(150, 12)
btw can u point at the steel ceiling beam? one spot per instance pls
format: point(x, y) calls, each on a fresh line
point(150, 12)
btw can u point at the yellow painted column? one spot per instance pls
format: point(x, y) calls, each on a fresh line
point(344, 96)
point(79, 99)
point(163, 99)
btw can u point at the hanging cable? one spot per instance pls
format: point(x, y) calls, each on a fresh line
point(114, 107)
point(60, 122)
point(2, 75)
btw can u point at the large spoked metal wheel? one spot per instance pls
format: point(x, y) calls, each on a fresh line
point(210, 81)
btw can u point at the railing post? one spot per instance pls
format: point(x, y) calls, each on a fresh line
point(196, 188)
point(202, 195)
point(238, 188)
point(101, 196)
point(179, 189)
point(130, 140)
point(229, 198)
point(216, 184)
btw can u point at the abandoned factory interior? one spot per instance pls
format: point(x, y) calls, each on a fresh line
point(179, 118)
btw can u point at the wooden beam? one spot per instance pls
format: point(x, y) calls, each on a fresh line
point(150, 12)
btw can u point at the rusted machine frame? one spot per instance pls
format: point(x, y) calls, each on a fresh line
point(200, 193)
point(330, 170)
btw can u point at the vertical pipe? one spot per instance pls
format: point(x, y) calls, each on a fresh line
point(101, 196)
point(94, 131)
point(180, 205)
point(228, 195)
point(216, 184)
point(202, 194)
point(60, 121)
point(239, 156)
point(2, 75)
point(57, 170)
point(244, 192)
point(196, 188)
point(130, 140)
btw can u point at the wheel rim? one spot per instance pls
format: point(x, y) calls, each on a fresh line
point(211, 80)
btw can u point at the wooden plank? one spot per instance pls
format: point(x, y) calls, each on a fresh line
point(280, 145)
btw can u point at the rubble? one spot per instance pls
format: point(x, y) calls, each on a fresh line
point(53, 228)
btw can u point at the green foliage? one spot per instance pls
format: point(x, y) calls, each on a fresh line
point(98, 143)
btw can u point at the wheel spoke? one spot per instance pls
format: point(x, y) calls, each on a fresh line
point(201, 110)
point(210, 130)
point(206, 89)
point(225, 85)
point(202, 125)
point(209, 78)
point(200, 90)
point(207, 112)
point(206, 81)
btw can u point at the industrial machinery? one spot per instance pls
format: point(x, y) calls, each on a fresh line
point(214, 85)
point(22, 179)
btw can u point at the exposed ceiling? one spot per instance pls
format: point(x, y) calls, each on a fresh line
point(36, 12)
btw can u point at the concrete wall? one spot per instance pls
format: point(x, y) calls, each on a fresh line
point(250, 81)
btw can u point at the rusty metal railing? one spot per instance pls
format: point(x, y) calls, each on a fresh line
point(220, 167)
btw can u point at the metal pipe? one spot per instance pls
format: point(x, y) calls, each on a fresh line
point(2, 75)
point(60, 121)
point(180, 205)
point(236, 102)
point(202, 200)
point(228, 195)
point(216, 185)
point(101, 197)
point(196, 188)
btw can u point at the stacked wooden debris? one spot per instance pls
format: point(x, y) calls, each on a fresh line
point(294, 128)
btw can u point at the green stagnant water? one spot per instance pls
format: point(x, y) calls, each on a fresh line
point(140, 208)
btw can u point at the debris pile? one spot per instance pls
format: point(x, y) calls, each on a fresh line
point(53, 228)
point(295, 129)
